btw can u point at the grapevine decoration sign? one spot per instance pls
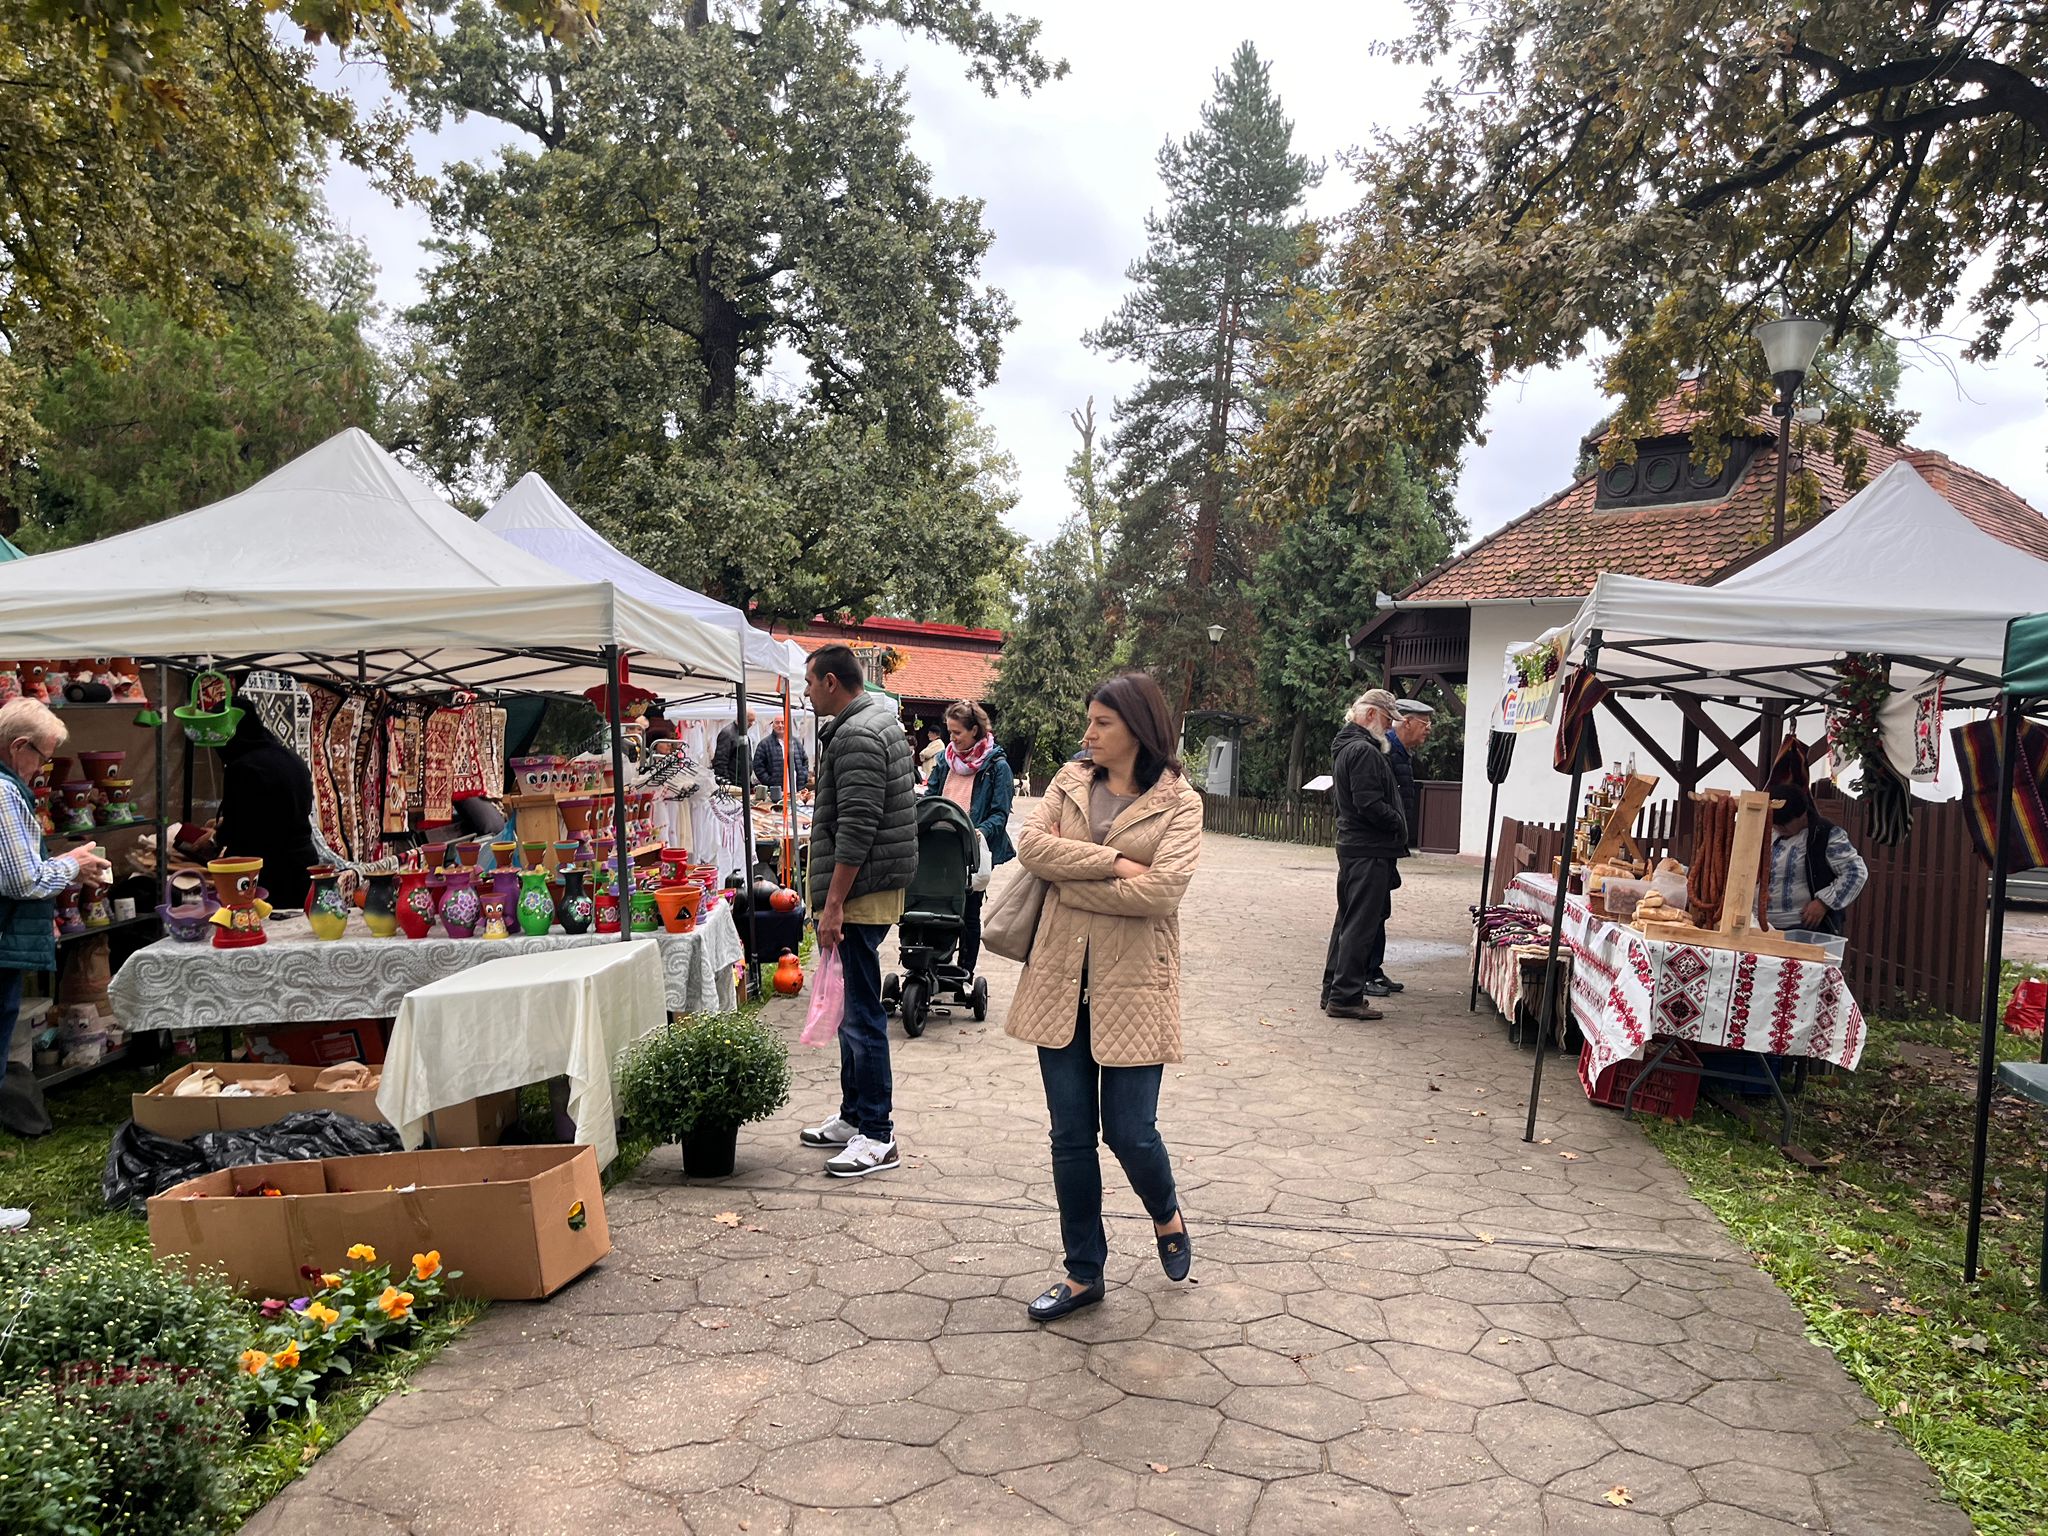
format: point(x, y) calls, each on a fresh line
point(1530, 680)
point(1856, 735)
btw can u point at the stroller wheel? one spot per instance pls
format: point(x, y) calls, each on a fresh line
point(979, 998)
point(916, 1000)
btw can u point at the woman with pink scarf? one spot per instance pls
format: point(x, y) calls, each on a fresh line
point(973, 773)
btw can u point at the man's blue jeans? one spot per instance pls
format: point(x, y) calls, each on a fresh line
point(1124, 1102)
point(867, 1092)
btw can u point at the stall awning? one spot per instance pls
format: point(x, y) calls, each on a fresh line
point(344, 552)
point(533, 517)
point(1895, 570)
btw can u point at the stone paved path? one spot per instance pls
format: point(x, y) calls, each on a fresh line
point(1407, 1319)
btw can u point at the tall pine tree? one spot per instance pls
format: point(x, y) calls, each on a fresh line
point(1212, 281)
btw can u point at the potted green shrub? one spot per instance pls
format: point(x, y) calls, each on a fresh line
point(699, 1080)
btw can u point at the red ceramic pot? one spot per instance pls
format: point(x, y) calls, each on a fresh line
point(415, 904)
point(607, 913)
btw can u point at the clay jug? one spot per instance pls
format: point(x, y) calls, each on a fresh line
point(536, 906)
point(380, 905)
point(415, 904)
point(461, 907)
point(789, 975)
point(576, 909)
point(325, 908)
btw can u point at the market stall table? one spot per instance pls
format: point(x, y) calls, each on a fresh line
point(1628, 988)
point(529, 1018)
point(1512, 976)
point(295, 978)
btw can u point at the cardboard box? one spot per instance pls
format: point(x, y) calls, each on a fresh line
point(183, 1119)
point(481, 1122)
point(519, 1222)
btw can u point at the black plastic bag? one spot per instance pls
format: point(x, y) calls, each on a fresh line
point(141, 1163)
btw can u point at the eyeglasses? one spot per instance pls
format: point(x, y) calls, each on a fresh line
point(43, 758)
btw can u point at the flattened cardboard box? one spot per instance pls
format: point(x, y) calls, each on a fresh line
point(182, 1119)
point(519, 1222)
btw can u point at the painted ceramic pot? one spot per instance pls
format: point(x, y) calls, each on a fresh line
point(467, 854)
point(101, 766)
point(678, 906)
point(58, 771)
point(491, 909)
point(461, 907)
point(326, 908)
point(505, 886)
point(536, 907)
point(99, 909)
point(532, 855)
point(534, 775)
point(576, 812)
point(675, 865)
point(380, 905)
point(646, 915)
point(607, 908)
point(504, 855)
point(76, 819)
point(239, 922)
point(415, 911)
point(117, 803)
point(70, 919)
point(576, 909)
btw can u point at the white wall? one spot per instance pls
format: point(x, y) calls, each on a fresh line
point(1535, 791)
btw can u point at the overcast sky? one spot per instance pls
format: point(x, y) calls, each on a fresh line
point(1067, 176)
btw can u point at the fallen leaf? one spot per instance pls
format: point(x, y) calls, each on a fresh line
point(1618, 1496)
point(961, 1258)
point(753, 1229)
point(1484, 1237)
point(1159, 1466)
point(1434, 1089)
point(1902, 1407)
point(1222, 1061)
point(1429, 1141)
point(1976, 1343)
point(1570, 1157)
point(1546, 1141)
point(713, 1322)
point(1526, 1168)
point(1267, 1024)
point(727, 1218)
point(1503, 1341)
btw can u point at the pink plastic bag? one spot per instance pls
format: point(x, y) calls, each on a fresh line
point(828, 1001)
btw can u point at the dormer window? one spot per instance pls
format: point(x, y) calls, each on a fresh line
point(1665, 473)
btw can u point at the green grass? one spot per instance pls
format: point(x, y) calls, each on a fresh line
point(1871, 1250)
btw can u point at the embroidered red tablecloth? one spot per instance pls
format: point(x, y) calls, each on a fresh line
point(1627, 989)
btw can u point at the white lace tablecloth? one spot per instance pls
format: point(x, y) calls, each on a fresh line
point(1628, 988)
point(526, 1019)
point(295, 978)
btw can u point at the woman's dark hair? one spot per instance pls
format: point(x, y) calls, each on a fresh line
point(969, 714)
point(1142, 707)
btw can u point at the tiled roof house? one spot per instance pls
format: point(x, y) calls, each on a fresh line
point(1662, 516)
point(940, 664)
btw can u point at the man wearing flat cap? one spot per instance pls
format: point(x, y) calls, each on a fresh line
point(1372, 832)
point(1412, 720)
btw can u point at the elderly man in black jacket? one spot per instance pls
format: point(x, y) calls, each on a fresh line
point(1372, 833)
point(863, 853)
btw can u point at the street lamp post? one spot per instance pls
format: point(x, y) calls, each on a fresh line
point(1789, 345)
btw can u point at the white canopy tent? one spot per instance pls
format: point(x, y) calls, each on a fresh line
point(533, 517)
point(1895, 570)
point(344, 563)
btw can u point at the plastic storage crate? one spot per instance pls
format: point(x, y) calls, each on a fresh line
point(1668, 1094)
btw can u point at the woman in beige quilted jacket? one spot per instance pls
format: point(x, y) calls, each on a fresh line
point(1115, 839)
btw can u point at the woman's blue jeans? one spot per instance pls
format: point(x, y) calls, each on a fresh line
point(1124, 1103)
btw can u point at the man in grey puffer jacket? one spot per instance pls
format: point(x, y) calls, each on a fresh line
point(863, 854)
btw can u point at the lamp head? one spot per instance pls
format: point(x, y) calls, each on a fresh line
point(1789, 346)
point(1215, 634)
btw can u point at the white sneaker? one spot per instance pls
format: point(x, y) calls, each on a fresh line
point(863, 1156)
point(12, 1218)
point(833, 1133)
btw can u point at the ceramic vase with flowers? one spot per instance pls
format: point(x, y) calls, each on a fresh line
point(576, 910)
point(461, 907)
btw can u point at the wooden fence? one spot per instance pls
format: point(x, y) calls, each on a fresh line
point(1314, 819)
point(1916, 934)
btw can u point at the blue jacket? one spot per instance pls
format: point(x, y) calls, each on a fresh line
point(994, 789)
point(28, 935)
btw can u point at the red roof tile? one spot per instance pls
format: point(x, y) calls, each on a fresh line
point(948, 663)
point(1560, 548)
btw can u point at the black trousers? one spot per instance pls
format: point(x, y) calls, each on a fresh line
point(1358, 938)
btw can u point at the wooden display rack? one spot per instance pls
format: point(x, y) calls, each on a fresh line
point(1618, 836)
point(538, 819)
point(1737, 928)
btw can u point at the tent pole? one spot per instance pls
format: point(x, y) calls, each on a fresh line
point(1485, 885)
point(1994, 969)
point(1564, 873)
point(622, 845)
point(744, 761)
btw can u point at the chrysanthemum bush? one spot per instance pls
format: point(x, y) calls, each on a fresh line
point(723, 1070)
point(64, 1299)
point(346, 1312)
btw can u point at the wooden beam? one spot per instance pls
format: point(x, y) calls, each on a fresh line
point(1643, 739)
point(1731, 748)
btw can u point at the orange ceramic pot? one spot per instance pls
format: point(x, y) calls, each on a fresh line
point(678, 904)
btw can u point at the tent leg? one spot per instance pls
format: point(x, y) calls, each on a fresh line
point(622, 847)
point(745, 765)
point(1485, 885)
point(1994, 968)
point(1564, 873)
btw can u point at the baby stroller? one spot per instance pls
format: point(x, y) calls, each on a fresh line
point(928, 938)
